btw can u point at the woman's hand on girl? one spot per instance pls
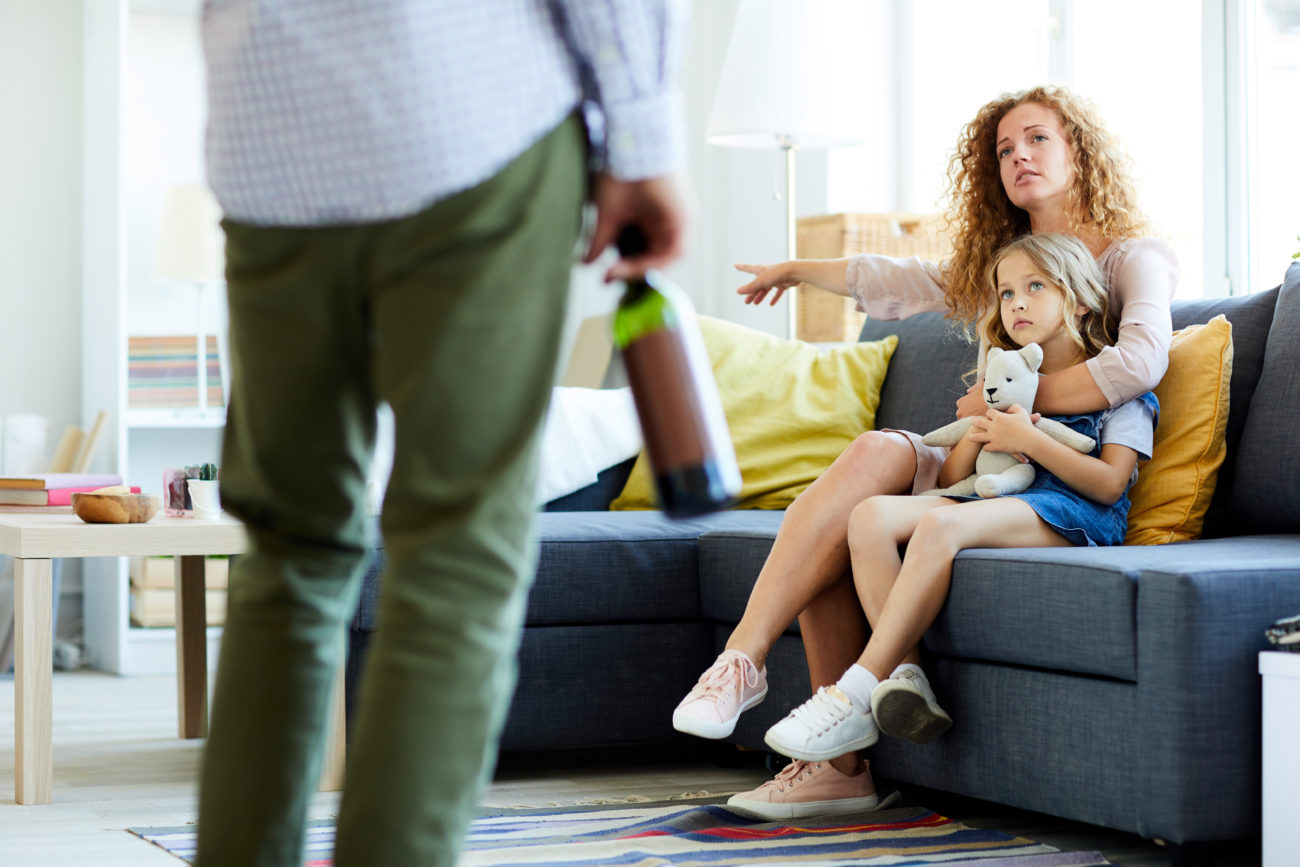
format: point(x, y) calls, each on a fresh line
point(972, 402)
point(767, 278)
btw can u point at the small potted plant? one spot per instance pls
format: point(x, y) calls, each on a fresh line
point(205, 496)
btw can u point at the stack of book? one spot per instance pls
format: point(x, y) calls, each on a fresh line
point(153, 590)
point(51, 489)
point(163, 373)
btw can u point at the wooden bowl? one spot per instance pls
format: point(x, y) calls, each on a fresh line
point(115, 508)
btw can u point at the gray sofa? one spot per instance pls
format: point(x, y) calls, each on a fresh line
point(1115, 686)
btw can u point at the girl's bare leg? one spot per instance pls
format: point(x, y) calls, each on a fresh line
point(811, 557)
point(921, 586)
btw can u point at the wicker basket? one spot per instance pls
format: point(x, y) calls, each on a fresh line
point(825, 317)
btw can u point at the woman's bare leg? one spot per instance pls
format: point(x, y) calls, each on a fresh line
point(811, 557)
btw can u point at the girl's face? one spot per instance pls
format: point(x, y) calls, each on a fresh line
point(1035, 159)
point(1032, 308)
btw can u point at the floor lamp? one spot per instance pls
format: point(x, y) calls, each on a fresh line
point(790, 81)
point(191, 251)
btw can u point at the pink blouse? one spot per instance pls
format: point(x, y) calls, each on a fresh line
point(1141, 273)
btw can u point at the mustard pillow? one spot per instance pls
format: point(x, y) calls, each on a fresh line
point(1174, 488)
point(792, 408)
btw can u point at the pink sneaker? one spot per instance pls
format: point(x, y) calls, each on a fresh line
point(808, 789)
point(731, 685)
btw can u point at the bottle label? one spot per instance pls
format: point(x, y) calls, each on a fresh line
point(673, 421)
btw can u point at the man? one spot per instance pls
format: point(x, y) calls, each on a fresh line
point(402, 183)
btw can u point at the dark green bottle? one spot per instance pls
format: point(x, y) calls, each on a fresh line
point(685, 431)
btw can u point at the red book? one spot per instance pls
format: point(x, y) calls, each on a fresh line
point(51, 497)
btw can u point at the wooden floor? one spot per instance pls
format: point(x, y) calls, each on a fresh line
point(119, 764)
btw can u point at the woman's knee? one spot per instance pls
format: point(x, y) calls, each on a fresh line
point(874, 463)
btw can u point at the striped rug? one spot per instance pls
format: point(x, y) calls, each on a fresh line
point(710, 836)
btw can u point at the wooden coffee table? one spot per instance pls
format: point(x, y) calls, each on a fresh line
point(33, 540)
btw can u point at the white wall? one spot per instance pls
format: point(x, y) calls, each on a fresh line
point(40, 210)
point(40, 228)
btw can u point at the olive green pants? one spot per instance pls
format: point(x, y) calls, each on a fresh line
point(453, 318)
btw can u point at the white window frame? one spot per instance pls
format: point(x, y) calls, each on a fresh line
point(1230, 207)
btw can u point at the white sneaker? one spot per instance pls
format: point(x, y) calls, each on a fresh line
point(905, 706)
point(825, 726)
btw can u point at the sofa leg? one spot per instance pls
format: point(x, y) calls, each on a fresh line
point(1198, 854)
point(1209, 853)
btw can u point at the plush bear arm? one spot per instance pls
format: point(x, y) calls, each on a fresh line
point(1063, 434)
point(949, 434)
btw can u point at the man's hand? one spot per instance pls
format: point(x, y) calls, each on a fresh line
point(657, 206)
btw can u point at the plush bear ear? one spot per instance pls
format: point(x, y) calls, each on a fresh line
point(993, 353)
point(1033, 355)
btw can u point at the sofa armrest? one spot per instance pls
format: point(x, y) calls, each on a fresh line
point(1200, 630)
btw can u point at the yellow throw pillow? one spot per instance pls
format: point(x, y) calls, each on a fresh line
point(792, 408)
point(1174, 488)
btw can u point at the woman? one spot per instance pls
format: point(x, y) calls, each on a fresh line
point(1035, 161)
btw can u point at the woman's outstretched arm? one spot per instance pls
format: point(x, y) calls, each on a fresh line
point(828, 274)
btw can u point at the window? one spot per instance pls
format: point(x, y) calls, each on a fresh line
point(1100, 49)
point(1273, 130)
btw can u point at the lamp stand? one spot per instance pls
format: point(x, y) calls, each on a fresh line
point(791, 245)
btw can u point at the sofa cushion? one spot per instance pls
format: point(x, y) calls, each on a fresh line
point(925, 375)
point(791, 408)
point(1268, 468)
point(1173, 489)
point(1251, 317)
point(633, 567)
point(1057, 609)
point(1069, 609)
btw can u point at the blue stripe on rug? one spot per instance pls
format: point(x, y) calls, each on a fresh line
point(709, 836)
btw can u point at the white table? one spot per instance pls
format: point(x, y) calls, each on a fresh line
point(33, 540)
point(1281, 757)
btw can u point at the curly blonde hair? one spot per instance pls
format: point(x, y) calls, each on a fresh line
point(1069, 267)
point(980, 217)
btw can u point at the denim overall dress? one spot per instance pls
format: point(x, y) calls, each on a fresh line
point(1083, 521)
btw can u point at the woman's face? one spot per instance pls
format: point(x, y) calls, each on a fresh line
point(1035, 160)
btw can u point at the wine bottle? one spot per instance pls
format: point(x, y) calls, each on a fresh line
point(676, 396)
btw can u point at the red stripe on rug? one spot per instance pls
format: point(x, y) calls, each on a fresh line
point(790, 830)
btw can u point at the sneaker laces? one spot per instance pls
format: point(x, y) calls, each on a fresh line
point(822, 711)
point(717, 681)
point(785, 779)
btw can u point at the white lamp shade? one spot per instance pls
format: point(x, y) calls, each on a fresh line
point(793, 76)
point(191, 248)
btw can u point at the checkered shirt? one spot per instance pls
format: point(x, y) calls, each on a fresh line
point(327, 112)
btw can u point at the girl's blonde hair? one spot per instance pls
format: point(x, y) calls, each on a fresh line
point(982, 219)
point(1066, 264)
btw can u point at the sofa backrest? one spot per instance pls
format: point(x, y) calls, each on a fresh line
point(924, 378)
point(1251, 317)
point(1266, 481)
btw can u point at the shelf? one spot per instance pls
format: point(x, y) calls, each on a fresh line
point(175, 418)
point(162, 633)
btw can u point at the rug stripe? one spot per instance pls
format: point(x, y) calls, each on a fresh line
point(707, 836)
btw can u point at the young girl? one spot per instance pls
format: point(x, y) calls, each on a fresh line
point(1049, 291)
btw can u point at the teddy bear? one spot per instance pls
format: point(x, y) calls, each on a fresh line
point(1009, 378)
